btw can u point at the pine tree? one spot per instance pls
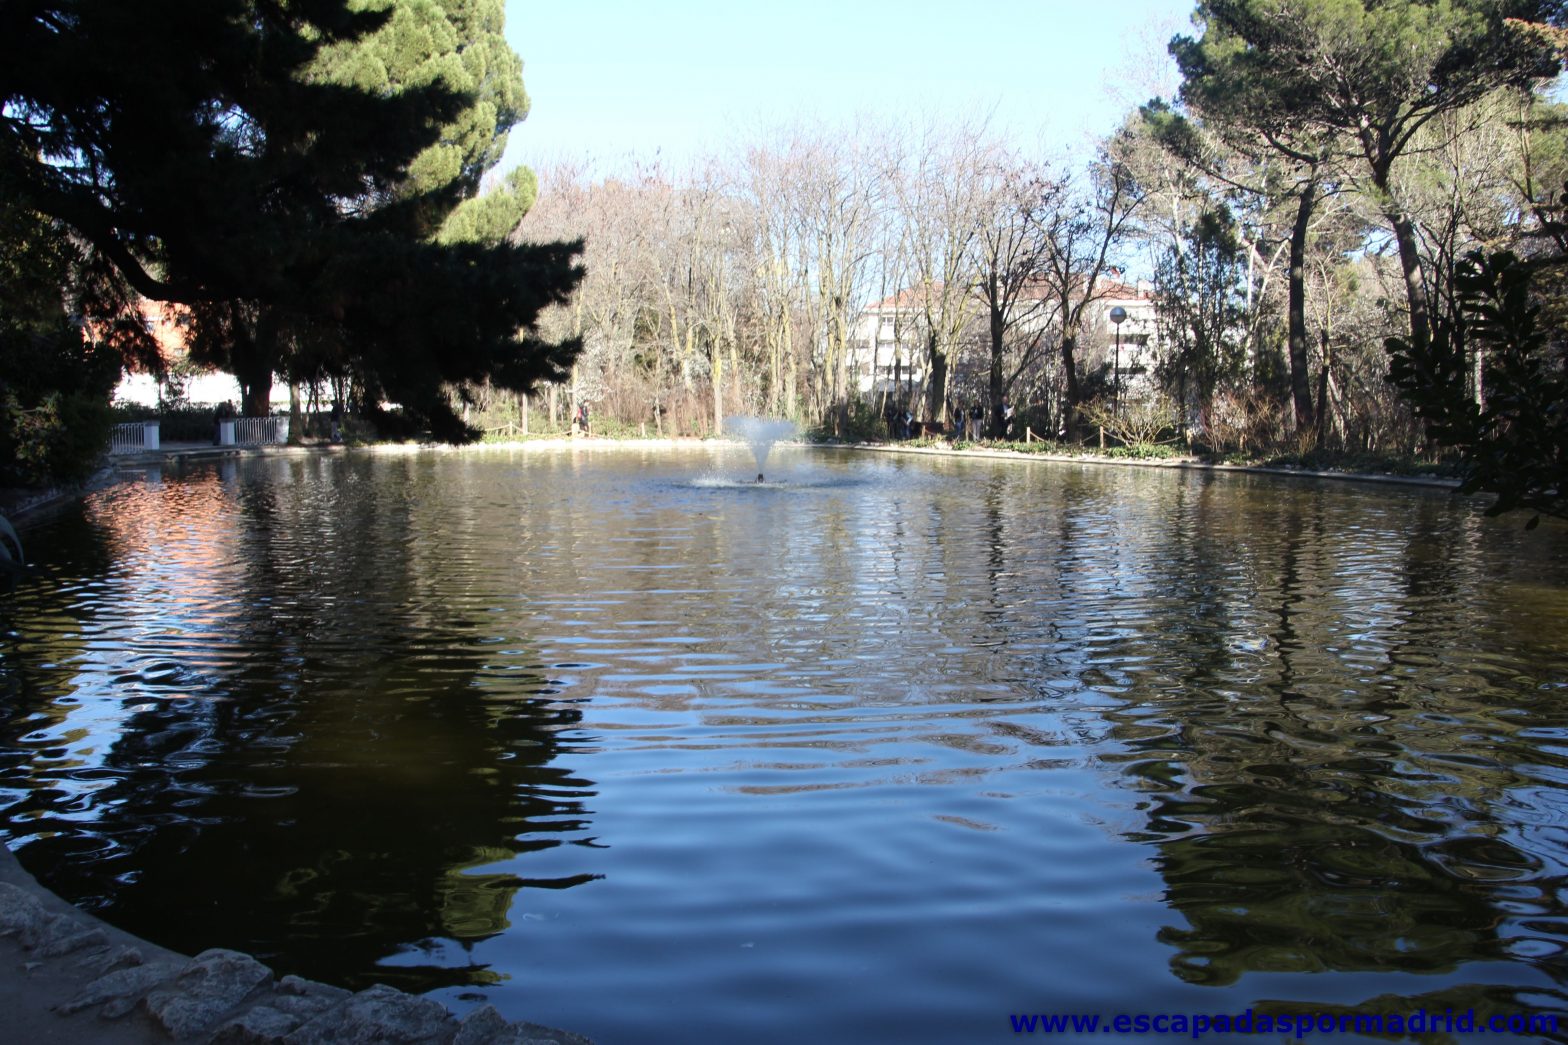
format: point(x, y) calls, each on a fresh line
point(1360, 78)
point(210, 153)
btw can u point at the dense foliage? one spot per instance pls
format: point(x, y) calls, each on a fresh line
point(54, 382)
point(1515, 440)
point(1375, 100)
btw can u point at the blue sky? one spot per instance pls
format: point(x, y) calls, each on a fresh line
point(609, 79)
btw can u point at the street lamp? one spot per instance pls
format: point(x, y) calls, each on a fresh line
point(1118, 317)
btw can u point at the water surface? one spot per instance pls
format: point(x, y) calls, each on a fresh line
point(884, 748)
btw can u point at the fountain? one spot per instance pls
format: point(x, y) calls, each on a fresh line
point(761, 433)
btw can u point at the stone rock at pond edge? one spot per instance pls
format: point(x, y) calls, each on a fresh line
point(481, 1027)
point(534, 1034)
point(307, 1006)
point(22, 916)
point(259, 1025)
point(486, 1026)
point(296, 985)
point(68, 938)
point(101, 962)
point(52, 935)
point(118, 992)
point(205, 991)
point(228, 997)
point(379, 1015)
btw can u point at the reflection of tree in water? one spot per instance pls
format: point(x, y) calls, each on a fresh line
point(1322, 798)
point(319, 792)
point(346, 842)
point(31, 662)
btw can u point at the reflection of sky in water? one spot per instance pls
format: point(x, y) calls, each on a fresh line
point(879, 747)
point(173, 551)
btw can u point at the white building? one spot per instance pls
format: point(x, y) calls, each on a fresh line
point(887, 346)
point(887, 350)
point(1132, 348)
point(207, 388)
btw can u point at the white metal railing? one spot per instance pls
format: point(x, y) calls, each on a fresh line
point(138, 436)
point(133, 437)
point(261, 431)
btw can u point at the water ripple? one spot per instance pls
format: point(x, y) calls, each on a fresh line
point(884, 745)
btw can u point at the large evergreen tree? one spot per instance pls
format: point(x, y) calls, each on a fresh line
point(210, 151)
point(1363, 77)
point(1234, 118)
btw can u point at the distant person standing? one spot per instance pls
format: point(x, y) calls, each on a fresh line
point(337, 420)
point(976, 417)
point(582, 418)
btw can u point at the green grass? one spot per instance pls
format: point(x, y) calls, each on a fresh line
point(1142, 452)
point(1361, 461)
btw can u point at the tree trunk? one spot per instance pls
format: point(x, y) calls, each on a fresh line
point(1300, 380)
point(1380, 159)
point(1323, 379)
point(255, 389)
point(257, 396)
point(718, 391)
point(776, 338)
point(1480, 374)
point(1415, 292)
point(296, 428)
point(1070, 378)
point(936, 387)
point(253, 359)
point(995, 384)
point(791, 377)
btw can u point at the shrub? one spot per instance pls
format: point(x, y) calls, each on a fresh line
point(54, 405)
point(1135, 422)
point(1246, 423)
point(184, 424)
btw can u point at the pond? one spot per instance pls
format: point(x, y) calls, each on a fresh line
point(886, 748)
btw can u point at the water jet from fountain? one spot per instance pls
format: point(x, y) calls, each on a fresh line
point(760, 433)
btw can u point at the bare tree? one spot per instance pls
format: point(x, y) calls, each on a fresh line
point(1086, 224)
point(776, 282)
point(941, 198)
point(1012, 255)
point(1461, 185)
point(839, 199)
point(609, 216)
